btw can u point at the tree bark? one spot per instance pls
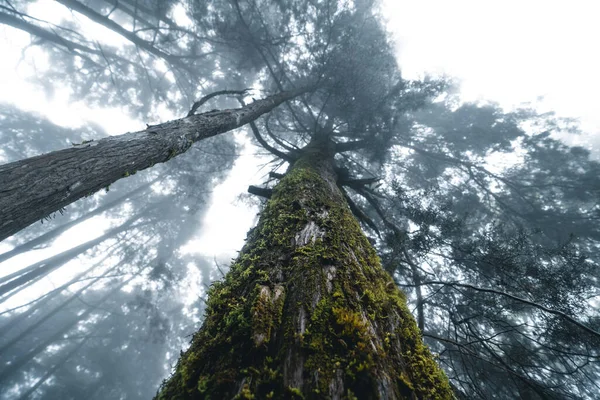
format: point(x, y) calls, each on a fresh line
point(306, 311)
point(33, 188)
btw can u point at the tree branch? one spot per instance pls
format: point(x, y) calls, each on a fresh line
point(276, 175)
point(284, 156)
point(275, 138)
point(257, 47)
point(267, 146)
point(130, 36)
point(262, 192)
point(44, 34)
point(204, 99)
point(519, 299)
point(360, 213)
point(26, 197)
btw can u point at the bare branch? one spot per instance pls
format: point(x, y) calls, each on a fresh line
point(204, 99)
point(130, 36)
point(275, 138)
point(267, 146)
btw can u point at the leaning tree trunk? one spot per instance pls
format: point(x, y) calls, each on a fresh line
point(33, 188)
point(306, 310)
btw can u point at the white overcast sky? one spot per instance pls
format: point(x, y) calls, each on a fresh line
point(506, 51)
point(510, 51)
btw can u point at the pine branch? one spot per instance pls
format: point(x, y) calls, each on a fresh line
point(519, 299)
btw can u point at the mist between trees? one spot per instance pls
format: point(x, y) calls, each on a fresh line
point(373, 183)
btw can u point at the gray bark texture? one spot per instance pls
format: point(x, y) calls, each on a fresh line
point(36, 187)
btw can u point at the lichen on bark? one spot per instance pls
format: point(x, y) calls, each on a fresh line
point(306, 311)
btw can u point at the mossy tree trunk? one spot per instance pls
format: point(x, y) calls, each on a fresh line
point(306, 310)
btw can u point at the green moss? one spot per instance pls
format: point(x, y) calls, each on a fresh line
point(328, 301)
point(294, 393)
point(266, 312)
point(350, 395)
point(245, 393)
point(203, 384)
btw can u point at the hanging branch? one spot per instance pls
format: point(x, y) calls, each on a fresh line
point(351, 146)
point(269, 67)
point(284, 156)
point(172, 26)
point(359, 183)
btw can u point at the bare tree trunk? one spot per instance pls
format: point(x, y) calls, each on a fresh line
point(307, 311)
point(33, 188)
